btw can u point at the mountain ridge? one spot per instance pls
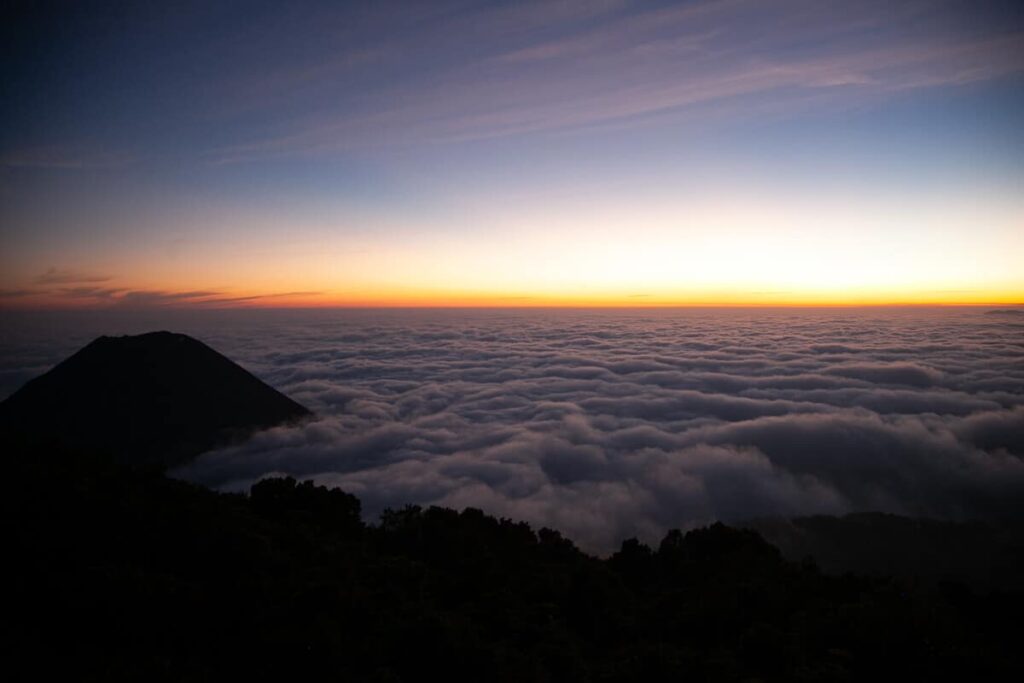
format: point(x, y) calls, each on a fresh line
point(159, 398)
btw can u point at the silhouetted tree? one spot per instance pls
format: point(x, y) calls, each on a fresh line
point(121, 573)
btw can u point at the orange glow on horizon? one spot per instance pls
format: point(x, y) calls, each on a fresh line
point(722, 249)
point(434, 298)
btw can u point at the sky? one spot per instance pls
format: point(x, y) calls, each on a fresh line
point(511, 154)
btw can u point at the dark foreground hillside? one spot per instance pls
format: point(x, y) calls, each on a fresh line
point(124, 574)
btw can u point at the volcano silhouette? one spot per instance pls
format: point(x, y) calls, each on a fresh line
point(153, 399)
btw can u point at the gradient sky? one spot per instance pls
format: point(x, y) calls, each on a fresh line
point(528, 153)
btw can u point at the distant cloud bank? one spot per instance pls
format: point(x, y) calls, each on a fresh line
point(612, 424)
point(609, 424)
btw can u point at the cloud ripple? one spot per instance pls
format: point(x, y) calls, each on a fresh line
point(608, 424)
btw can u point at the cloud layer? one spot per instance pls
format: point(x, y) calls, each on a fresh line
point(611, 424)
point(608, 424)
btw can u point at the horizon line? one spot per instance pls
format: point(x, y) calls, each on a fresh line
point(198, 306)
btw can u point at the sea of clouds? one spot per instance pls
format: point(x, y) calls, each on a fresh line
point(607, 424)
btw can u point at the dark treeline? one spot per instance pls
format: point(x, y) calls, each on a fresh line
point(121, 573)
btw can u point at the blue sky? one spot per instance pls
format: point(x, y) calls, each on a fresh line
point(438, 152)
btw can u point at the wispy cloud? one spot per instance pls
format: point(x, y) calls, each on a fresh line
point(135, 298)
point(261, 297)
point(86, 292)
point(618, 67)
point(65, 276)
point(146, 298)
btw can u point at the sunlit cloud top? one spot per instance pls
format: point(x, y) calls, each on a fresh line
point(529, 153)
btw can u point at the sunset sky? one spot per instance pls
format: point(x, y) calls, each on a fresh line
point(531, 153)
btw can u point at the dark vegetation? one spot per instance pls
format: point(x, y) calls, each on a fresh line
point(121, 573)
point(159, 398)
point(988, 555)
